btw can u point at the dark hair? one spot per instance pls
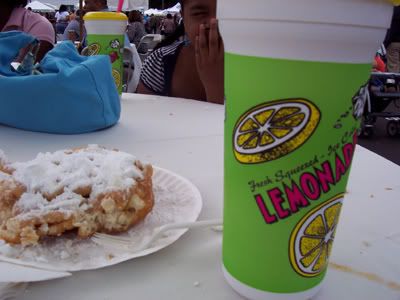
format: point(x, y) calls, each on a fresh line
point(169, 16)
point(80, 13)
point(103, 2)
point(135, 16)
point(178, 33)
point(62, 8)
point(16, 3)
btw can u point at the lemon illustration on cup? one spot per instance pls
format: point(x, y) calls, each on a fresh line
point(312, 239)
point(117, 77)
point(273, 129)
point(93, 49)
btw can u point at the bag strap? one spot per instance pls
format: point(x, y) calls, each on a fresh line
point(11, 42)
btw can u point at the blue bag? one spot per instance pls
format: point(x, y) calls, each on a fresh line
point(73, 94)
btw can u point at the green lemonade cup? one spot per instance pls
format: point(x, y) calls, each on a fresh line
point(106, 35)
point(296, 76)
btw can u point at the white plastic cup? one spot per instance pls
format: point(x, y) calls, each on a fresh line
point(106, 35)
point(280, 53)
point(309, 30)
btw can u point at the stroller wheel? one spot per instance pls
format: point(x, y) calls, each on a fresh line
point(391, 128)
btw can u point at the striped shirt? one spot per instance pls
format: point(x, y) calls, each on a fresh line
point(158, 69)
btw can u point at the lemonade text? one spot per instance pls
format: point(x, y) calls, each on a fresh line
point(289, 199)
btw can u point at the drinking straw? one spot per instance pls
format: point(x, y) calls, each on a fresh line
point(120, 4)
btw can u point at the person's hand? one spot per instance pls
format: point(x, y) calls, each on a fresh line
point(209, 52)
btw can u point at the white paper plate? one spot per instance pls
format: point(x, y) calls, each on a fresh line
point(176, 200)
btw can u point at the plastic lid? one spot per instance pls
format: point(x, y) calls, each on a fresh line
point(338, 12)
point(108, 16)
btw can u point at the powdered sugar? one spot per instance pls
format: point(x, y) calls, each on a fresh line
point(31, 204)
point(176, 200)
point(103, 170)
point(61, 174)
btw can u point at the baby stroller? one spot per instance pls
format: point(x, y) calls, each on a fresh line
point(383, 89)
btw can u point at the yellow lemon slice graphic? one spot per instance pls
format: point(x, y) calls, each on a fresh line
point(274, 129)
point(93, 49)
point(117, 77)
point(312, 239)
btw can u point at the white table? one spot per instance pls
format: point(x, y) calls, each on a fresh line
point(187, 137)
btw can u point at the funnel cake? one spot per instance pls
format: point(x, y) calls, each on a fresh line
point(88, 190)
point(4, 163)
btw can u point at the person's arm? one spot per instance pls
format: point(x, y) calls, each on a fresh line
point(44, 32)
point(142, 89)
point(44, 47)
point(66, 17)
point(209, 53)
point(151, 75)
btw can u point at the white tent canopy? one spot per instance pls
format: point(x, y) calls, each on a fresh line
point(153, 11)
point(52, 6)
point(39, 6)
point(175, 9)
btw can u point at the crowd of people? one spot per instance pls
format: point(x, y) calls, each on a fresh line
point(188, 63)
point(65, 23)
